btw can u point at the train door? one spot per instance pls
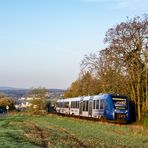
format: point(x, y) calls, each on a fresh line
point(90, 108)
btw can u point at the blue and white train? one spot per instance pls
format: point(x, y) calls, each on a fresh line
point(108, 106)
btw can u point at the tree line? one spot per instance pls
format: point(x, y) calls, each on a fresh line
point(122, 67)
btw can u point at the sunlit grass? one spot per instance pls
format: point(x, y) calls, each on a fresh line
point(55, 131)
point(145, 121)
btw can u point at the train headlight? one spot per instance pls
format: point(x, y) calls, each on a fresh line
point(113, 114)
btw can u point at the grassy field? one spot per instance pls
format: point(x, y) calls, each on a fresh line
point(29, 131)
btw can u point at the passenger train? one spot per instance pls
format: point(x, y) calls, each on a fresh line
point(107, 106)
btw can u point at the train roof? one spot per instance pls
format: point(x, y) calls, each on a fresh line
point(95, 97)
point(86, 98)
point(75, 99)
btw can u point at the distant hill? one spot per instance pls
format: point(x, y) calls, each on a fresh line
point(21, 92)
point(8, 88)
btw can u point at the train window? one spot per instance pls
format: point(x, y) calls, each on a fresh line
point(83, 105)
point(77, 104)
point(94, 102)
point(97, 104)
point(120, 103)
point(57, 104)
point(86, 106)
point(65, 104)
point(74, 104)
point(101, 104)
point(71, 104)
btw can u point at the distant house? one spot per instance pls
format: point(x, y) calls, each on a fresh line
point(23, 105)
point(32, 98)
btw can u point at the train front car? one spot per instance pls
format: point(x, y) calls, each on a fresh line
point(120, 110)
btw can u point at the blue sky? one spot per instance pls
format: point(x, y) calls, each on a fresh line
point(42, 42)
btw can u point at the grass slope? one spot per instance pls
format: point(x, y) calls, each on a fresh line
point(55, 131)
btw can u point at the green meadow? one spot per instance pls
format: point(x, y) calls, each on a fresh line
point(47, 131)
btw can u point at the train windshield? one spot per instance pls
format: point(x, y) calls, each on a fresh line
point(120, 103)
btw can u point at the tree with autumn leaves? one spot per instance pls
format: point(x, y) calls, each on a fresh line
point(121, 68)
point(38, 96)
point(6, 101)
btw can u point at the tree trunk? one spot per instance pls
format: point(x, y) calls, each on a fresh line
point(138, 97)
